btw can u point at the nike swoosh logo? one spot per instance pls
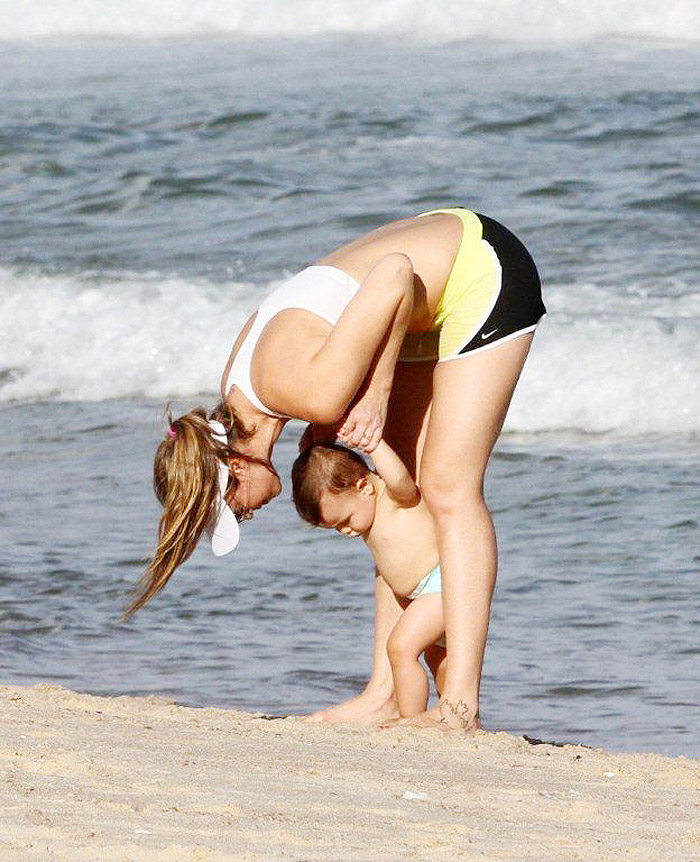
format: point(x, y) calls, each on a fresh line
point(485, 335)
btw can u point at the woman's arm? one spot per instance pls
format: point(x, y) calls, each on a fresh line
point(364, 422)
point(399, 484)
point(322, 371)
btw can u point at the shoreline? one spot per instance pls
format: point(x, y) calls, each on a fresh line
point(141, 778)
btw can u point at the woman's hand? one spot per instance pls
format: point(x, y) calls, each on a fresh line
point(363, 425)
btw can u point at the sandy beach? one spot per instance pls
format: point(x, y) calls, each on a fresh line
point(125, 778)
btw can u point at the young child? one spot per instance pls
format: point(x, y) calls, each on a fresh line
point(333, 487)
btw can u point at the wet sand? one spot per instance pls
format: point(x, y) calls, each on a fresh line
point(125, 778)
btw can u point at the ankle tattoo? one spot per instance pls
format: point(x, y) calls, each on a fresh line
point(450, 709)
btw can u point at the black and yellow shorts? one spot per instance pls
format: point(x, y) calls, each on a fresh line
point(493, 294)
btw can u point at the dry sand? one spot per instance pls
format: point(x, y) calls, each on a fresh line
point(96, 778)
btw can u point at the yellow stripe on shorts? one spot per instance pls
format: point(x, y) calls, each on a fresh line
point(467, 300)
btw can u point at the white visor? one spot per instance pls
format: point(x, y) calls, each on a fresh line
point(224, 532)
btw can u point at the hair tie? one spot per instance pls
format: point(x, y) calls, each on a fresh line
point(172, 433)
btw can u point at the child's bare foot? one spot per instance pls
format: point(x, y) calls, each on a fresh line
point(362, 709)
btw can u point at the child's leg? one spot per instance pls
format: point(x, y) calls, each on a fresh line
point(420, 625)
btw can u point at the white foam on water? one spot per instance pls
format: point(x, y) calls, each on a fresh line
point(601, 361)
point(609, 362)
point(68, 338)
point(538, 20)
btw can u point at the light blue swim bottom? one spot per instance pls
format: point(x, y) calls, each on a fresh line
point(431, 583)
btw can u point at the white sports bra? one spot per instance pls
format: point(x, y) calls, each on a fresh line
point(322, 290)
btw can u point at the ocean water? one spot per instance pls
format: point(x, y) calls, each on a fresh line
point(163, 167)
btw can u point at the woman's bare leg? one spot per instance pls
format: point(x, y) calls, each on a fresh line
point(471, 396)
point(436, 659)
point(407, 420)
point(409, 412)
point(377, 702)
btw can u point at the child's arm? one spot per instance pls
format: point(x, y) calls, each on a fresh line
point(399, 484)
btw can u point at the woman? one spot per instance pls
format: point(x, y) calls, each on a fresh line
point(459, 297)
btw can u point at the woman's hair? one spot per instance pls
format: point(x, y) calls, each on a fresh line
point(324, 467)
point(186, 483)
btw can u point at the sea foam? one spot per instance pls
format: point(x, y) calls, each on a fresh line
point(537, 20)
point(601, 361)
point(82, 339)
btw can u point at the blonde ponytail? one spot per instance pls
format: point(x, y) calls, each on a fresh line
point(185, 481)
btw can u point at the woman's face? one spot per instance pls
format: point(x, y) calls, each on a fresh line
point(256, 485)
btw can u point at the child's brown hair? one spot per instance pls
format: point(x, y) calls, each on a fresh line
point(324, 467)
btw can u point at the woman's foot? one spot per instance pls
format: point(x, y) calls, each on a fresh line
point(458, 715)
point(448, 715)
point(362, 709)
